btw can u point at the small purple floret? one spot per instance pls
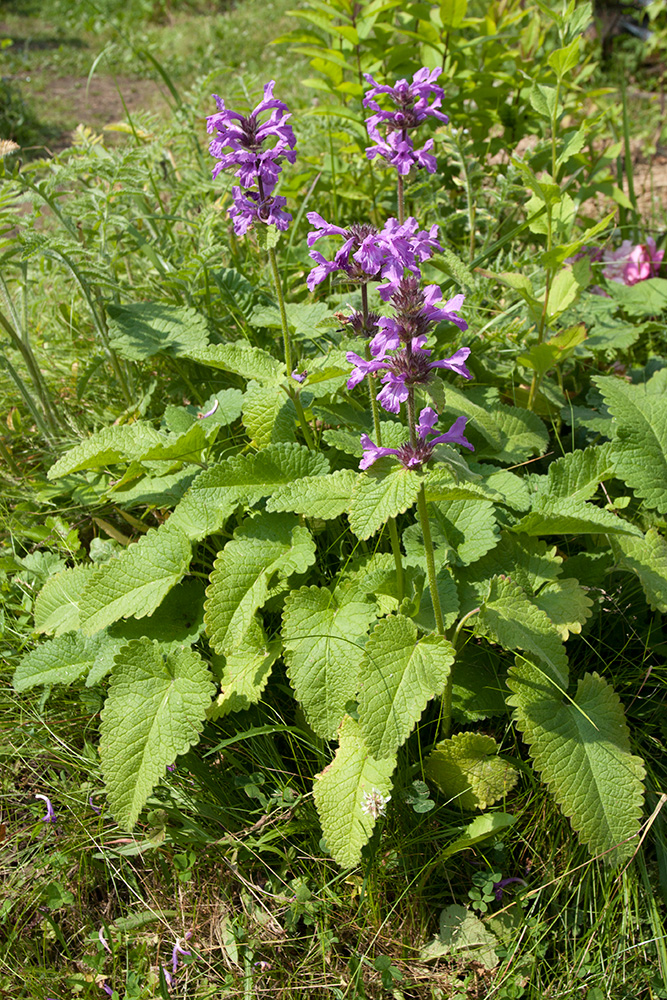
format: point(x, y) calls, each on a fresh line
point(50, 815)
point(414, 456)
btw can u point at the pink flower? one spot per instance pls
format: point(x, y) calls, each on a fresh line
point(630, 264)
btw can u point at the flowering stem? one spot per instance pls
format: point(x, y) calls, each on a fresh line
point(305, 426)
point(430, 561)
point(281, 306)
point(401, 200)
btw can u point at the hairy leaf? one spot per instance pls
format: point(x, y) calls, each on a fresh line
point(223, 408)
point(564, 517)
point(262, 546)
point(246, 672)
point(64, 659)
point(143, 329)
point(134, 582)
point(57, 604)
point(467, 768)
point(647, 558)
point(107, 447)
point(400, 673)
point(179, 618)
point(242, 479)
point(154, 712)
point(462, 532)
point(268, 415)
point(324, 635)
point(566, 604)
point(351, 782)
point(639, 447)
point(526, 560)
point(575, 477)
point(249, 362)
point(581, 748)
point(463, 936)
point(387, 489)
point(324, 497)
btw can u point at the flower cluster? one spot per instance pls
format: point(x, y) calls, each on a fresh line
point(405, 335)
point(245, 136)
point(414, 103)
point(630, 264)
point(374, 803)
point(413, 456)
point(370, 254)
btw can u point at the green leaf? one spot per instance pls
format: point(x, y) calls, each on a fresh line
point(263, 546)
point(185, 447)
point(246, 672)
point(324, 497)
point(646, 298)
point(65, 659)
point(467, 769)
point(144, 329)
point(481, 828)
point(268, 414)
point(303, 318)
point(375, 577)
point(452, 13)
point(639, 448)
point(464, 937)
point(565, 59)
point(647, 558)
point(462, 532)
point(566, 604)
point(226, 406)
point(478, 691)
point(544, 100)
point(57, 604)
point(179, 618)
point(566, 518)
point(575, 477)
point(512, 489)
point(242, 479)
point(135, 581)
point(510, 618)
point(154, 712)
point(399, 676)
point(527, 560)
point(107, 447)
point(248, 362)
point(449, 602)
point(342, 790)
point(510, 433)
point(324, 636)
point(387, 489)
point(581, 748)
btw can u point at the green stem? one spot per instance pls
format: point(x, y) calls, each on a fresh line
point(305, 426)
point(430, 561)
point(281, 306)
point(446, 714)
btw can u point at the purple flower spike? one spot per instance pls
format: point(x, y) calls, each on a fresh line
point(414, 456)
point(245, 136)
point(50, 815)
point(413, 104)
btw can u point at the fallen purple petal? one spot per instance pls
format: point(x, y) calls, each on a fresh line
point(50, 815)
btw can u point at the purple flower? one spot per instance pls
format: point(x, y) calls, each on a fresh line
point(107, 989)
point(405, 369)
point(50, 815)
point(299, 377)
point(103, 940)
point(369, 254)
point(415, 313)
point(413, 104)
point(414, 456)
point(177, 950)
point(244, 136)
point(96, 809)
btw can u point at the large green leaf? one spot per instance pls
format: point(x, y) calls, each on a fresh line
point(464, 937)
point(57, 604)
point(179, 618)
point(242, 479)
point(566, 604)
point(467, 769)
point(324, 635)
point(400, 673)
point(528, 561)
point(387, 489)
point(647, 558)
point(143, 329)
point(134, 582)
point(639, 447)
point(154, 712)
point(462, 531)
point(249, 362)
point(349, 795)
point(64, 659)
point(219, 410)
point(107, 447)
point(582, 750)
point(324, 497)
point(246, 672)
point(564, 517)
point(262, 546)
point(510, 618)
point(576, 476)
point(268, 414)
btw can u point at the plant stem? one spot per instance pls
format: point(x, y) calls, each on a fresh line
point(401, 200)
point(430, 561)
point(305, 426)
point(281, 306)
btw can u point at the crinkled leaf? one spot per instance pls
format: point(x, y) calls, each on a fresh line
point(57, 604)
point(246, 672)
point(134, 582)
point(581, 748)
point(400, 673)
point(324, 497)
point(575, 477)
point(179, 618)
point(393, 436)
point(387, 489)
point(65, 659)
point(510, 618)
point(478, 691)
point(303, 318)
point(143, 329)
point(324, 635)
point(526, 560)
point(242, 479)
point(564, 517)
point(467, 768)
point(225, 405)
point(268, 414)
point(512, 488)
point(566, 604)
point(107, 447)
point(340, 791)
point(154, 712)
point(639, 447)
point(463, 936)
point(522, 435)
point(449, 602)
point(249, 362)
point(185, 447)
point(462, 531)
point(262, 546)
point(647, 558)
